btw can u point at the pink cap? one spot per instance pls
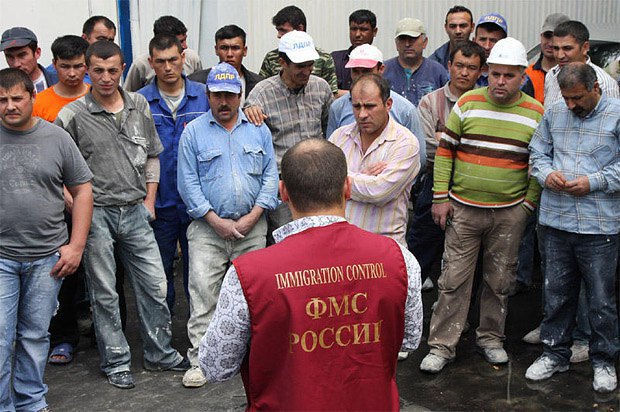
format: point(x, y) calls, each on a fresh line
point(365, 55)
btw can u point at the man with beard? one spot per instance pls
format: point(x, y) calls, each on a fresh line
point(575, 156)
point(227, 177)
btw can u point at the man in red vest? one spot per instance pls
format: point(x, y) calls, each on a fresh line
point(316, 320)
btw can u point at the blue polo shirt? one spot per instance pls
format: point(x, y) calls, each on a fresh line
point(193, 105)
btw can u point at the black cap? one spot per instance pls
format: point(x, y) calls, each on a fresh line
point(16, 37)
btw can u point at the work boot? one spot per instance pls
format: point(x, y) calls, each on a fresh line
point(543, 368)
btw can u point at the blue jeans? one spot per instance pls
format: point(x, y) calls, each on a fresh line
point(425, 239)
point(569, 258)
point(170, 227)
point(128, 228)
point(27, 302)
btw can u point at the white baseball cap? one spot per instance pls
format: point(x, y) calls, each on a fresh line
point(508, 51)
point(298, 46)
point(364, 55)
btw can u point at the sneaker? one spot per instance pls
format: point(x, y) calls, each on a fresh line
point(579, 352)
point(46, 409)
point(543, 368)
point(427, 285)
point(604, 378)
point(122, 380)
point(182, 366)
point(533, 337)
point(403, 355)
point(194, 378)
point(495, 356)
point(433, 363)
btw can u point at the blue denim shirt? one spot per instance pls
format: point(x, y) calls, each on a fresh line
point(227, 172)
point(403, 111)
point(428, 77)
point(193, 105)
point(576, 147)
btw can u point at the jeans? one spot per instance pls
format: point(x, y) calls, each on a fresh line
point(128, 228)
point(425, 238)
point(569, 259)
point(498, 232)
point(210, 257)
point(170, 227)
point(27, 303)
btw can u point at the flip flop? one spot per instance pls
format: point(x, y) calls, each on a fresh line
point(61, 354)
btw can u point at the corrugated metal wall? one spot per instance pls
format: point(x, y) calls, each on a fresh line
point(327, 20)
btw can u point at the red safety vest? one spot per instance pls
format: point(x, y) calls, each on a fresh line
point(327, 321)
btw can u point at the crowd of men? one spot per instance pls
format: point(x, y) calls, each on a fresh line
point(285, 195)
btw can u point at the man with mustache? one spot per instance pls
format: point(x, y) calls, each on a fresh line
point(294, 104)
point(482, 196)
point(174, 101)
point(227, 177)
point(410, 73)
point(575, 157)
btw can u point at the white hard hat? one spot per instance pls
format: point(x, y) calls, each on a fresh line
point(508, 51)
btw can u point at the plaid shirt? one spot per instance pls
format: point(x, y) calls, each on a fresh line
point(292, 115)
point(379, 203)
point(576, 147)
point(324, 67)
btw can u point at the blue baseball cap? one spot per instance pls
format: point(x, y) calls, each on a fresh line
point(224, 78)
point(496, 19)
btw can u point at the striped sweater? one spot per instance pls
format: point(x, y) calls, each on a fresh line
point(483, 155)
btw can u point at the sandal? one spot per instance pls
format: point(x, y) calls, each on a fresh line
point(61, 354)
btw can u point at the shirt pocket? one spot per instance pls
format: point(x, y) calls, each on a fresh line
point(253, 157)
point(210, 164)
point(138, 152)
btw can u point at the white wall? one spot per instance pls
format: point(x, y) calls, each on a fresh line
point(327, 19)
point(51, 19)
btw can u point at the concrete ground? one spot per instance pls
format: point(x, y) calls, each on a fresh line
point(467, 384)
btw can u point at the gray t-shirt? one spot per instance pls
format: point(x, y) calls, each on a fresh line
point(34, 165)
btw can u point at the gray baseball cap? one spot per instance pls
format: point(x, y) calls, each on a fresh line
point(552, 21)
point(16, 37)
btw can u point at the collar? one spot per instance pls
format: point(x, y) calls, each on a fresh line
point(538, 64)
point(151, 91)
point(556, 69)
point(386, 135)
point(601, 102)
point(305, 223)
point(288, 89)
point(93, 105)
point(449, 95)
